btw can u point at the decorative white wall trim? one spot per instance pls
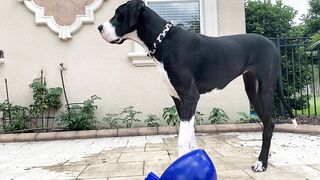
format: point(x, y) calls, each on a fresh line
point(140, 59)
point(64, 32)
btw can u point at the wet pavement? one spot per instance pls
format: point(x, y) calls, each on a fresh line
point(293, 156)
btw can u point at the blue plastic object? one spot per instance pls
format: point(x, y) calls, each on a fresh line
point(195, 165)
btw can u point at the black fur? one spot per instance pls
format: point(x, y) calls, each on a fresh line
point(197, 64)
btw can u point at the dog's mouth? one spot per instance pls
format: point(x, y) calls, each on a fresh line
point(118, 41)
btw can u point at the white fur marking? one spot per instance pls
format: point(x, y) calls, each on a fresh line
point(294, 121)
point(109, 32)
point(258, 167)
point(214, 91)
point(257, 86)
point(186, 140)
point(166, 80)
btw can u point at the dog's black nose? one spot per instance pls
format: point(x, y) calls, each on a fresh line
point(100, 28)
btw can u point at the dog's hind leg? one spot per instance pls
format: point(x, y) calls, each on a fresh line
point(252, 89)
point(261, 95)
point(187, 107)
point(267, 99)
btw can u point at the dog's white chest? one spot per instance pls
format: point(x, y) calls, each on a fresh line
point(166, 80)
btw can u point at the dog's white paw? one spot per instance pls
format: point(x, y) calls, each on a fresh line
point(186, 141)
point(258, 167)
point(294, 122)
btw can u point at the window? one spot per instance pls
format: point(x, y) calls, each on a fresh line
point(183, 13)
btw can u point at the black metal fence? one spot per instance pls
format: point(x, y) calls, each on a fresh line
point(300, 75)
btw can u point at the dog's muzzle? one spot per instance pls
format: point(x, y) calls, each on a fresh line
point(107, 32)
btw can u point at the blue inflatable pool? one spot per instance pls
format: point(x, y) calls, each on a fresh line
point(195, 165)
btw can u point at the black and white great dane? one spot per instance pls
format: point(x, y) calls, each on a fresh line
point(192, 64)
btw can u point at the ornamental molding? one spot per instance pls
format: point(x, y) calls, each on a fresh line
point(64, 32)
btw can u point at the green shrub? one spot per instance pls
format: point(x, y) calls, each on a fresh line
point(152, 121)
point(112, 120)
point(245, 118)
point(17, 115)
point(80, 117)
point(129, 116)
point(199, 117)
point(44, 98)
point(170, 115)
point(218, 116)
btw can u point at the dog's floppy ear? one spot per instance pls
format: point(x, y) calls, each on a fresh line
point(134, 7)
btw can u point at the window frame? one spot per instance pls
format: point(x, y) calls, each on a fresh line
point(200, 9)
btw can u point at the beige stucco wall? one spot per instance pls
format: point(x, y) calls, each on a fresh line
point(95, 67)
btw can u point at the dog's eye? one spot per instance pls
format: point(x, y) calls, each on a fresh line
point(117, 11)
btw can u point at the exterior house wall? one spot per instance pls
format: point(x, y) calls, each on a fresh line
point(95, 67)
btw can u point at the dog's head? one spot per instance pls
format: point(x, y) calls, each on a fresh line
point(123, 22)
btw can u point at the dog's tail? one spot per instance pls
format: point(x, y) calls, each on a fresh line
point(284, 102)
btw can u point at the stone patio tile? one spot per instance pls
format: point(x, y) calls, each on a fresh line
point(208, 136)
point(128, 132)
point(98, 159)
point(213, 153)
point(107, 133)
point(249, 127)
point(226, 127)
point(233, 174)
point(234, 142)
point(134, 149)
point(66, 135)
point(92, 179)
point(113, 170)
point(7, 137)
point(137, 141)
point(317, 167)
point(206, 128)
point(144, 156)
point(221, 165)
point(239, 161)
point(75, 169)
point(304, 171)
point(172, 146)
point(110, 158)
point(215, 144)
point(273, 173)
point(171, 142)
point(167, 130)
point(126, 149)
point(144, 131)
point(86, 134)
point(158, 147)
point(173, 154)
point(241, 152)
point(25, 137)
point(157, 167)
point(128, 178)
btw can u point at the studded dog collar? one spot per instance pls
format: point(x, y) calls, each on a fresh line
point(159, 39)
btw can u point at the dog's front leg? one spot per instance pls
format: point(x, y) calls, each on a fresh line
point(187, 108)
point(186, 141)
